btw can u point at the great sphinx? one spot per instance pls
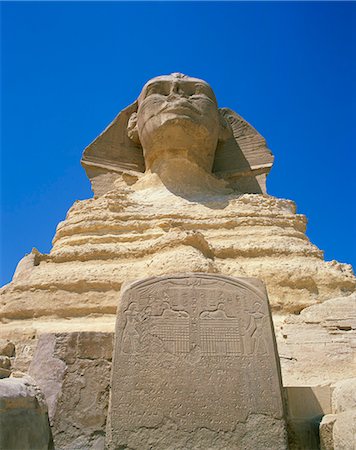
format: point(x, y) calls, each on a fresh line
point(179, 184)
point(176, 131)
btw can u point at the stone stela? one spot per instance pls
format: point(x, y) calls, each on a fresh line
point(193, 352)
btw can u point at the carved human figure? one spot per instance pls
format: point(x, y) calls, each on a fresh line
point(255, 331)
point(131, 337)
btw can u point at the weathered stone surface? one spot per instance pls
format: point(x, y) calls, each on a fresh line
point(338, 430)
point(306, 405)
point(164, 203)
point(318, 346)
point(171, 177)
point(344, 430)
point(7, 348)
point(344, 396)
point(7, 352)
point(73, 371)
point(195, 366)
point(123, 236)
point(23, 416)
point(4, 373)
point(326, 432)
point(5, 362)
point(177, 117)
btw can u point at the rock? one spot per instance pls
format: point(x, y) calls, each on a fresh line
point(26, 264)
point(338, 430)
point(7, 348)
point(5, 362)
point(159, 208)
point(4, 373)
point(344, 396)
point(344, 430)
point(306, 405)
point(23, 416)
point(318, 346)
point(73, 371)
point(195, 366)
point(127, 234)
point(326, 432)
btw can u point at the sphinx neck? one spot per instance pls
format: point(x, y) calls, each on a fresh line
point(183, 177)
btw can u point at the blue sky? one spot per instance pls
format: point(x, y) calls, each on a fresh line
point(69, 67)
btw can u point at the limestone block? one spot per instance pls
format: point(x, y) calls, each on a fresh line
point(306, 405)
point(73, 370)
point(344, 407)
point(344, 430)
point(344, 396)
point(127, 234)
point(7, 348)
point(319, 345)
point(338, 430)
point(5, 362)
point(26, 265)
point(326, 432)
point(23, 416)
point(195, 366)
point(4, 373)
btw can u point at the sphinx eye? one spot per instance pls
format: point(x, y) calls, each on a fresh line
point(199, 88)
point(203, 90)
point(156, 89)
point(151, 90)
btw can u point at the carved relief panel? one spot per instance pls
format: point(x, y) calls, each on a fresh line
point(197, 350)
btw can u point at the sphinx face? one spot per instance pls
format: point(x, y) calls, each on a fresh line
point(178, 117)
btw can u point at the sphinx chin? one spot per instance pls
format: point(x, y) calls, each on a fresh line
point(182, 131)
point(179, 140)
point(181, 176)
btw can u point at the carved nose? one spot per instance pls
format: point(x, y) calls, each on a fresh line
point(176, 90)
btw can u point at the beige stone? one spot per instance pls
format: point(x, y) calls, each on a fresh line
point(318, 345)
point(73, 372)
point(306, 405)
point(5, 362)
point(344, 396)
point(195, 366)
point(106, 241)
point(7, 348)
point(176, 118)
point(326, 432)
point(179, 184)
point(338, 430)
point(23, 416)
point(187, 206)
point(344, 431)
point(4, 373)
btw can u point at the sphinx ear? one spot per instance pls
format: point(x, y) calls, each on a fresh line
point(225, 131)
point(132, 131)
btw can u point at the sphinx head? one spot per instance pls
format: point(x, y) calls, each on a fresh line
point(175, 132)
point(177, 118)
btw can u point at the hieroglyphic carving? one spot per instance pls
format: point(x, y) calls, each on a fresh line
point(219, 334)
point(206, 326)
point(172, 327)
point(196, 342)
point(130, 337)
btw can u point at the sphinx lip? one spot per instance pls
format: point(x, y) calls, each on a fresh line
point(180, 107)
